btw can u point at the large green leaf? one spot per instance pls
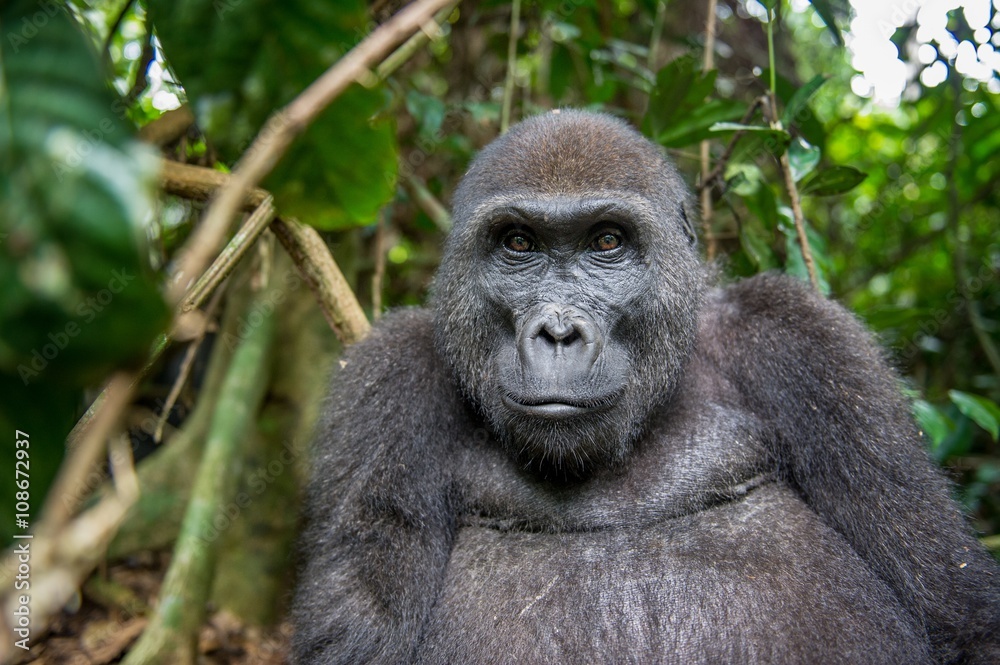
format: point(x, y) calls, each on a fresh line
point(804, 120)
point(828, 10)
point(831, 181)
point(360, 165)
point(754, 243)
point(980, 410)
point(802, 157)
point(239, 61)
point(795, 261)
point(678, 112)
point(777, 135)
point(679, 86)
point(697, 123)
point(78, 297)
point(764, 206)
point(754, 146)
point(800, 99)
point(933, 422)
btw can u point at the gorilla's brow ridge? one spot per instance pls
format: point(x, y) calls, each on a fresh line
point(595, 203)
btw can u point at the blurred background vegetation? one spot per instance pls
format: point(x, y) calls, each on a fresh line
point(882, 118)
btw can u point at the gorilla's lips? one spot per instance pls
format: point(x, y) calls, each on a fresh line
point(555, 408)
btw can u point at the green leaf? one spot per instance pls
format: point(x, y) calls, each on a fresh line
point(893, 317)
point(752, 146)
point(803, 158)
point(756, 247)
point(795, 263)
point(240, 61)
point(932, 422)
point(805, 121)
point(562, 72)
point(46, 429)
point(799, 100)
point(483, 113)
point(743, 178)
point(680, 87)
point(778, 134)
point(831, 181)
point(988, 473)
point(696, 124)
point(982, 411)
point(764, 207)
point(78, 294)
point(827, 10)
point(359, 166)
point(428, 111)
point(78, 298)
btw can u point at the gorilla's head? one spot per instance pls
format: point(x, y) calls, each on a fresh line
point(567, 297)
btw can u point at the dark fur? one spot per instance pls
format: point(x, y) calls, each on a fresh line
point(757, 494)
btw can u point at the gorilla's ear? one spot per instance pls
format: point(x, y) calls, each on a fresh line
point(688, 226)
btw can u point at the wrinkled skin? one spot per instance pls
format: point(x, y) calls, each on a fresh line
point(581, 452)
point(632, 308)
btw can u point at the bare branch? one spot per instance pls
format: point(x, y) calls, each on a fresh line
point(508, 84)
point(230, 256)
point(198, 183)
point(771, 111)
point(711, 247)
point(70, 486)
point(168, 127)
point(312, 258)
point(282, 128)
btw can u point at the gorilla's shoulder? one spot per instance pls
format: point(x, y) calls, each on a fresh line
point(397, 358)
point(397, 330)
point(776, 320)
point(390, 387)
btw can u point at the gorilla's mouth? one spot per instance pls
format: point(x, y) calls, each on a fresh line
point(552, 408)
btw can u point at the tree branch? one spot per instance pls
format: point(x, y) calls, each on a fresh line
point(312, 258)
point(793, 195)
point(168, 127)
point(508, 84)
point(711, 246)
point(723, 161)
point(171, 636)
point(230, 256)
point(281, 129)
point(316, 265)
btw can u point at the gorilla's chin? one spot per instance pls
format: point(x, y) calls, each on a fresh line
point(562, 441)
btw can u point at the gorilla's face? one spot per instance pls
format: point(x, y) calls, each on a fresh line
point(567, 297)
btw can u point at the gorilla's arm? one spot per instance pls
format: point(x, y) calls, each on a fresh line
point(379, 526)
point(847, 441)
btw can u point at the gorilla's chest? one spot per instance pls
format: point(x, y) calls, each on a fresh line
point(756, 580)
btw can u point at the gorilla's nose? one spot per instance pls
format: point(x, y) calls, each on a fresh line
point(559, 343)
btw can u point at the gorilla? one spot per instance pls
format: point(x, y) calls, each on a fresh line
point(584, 452)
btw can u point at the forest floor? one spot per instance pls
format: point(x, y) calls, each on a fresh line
point(110, 614)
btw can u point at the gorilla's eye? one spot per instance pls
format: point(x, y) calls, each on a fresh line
point(606, 241)
point(518, 241)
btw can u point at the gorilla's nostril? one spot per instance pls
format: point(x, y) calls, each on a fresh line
point(564, 335)
point(559, 346)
